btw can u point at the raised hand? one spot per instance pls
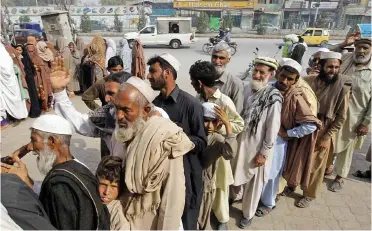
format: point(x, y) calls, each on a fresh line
point(59, 77)
point(350, 38)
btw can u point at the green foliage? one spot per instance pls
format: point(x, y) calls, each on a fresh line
point(85, 23)
point(227, 21)
point(118, 25)
point(142, 20)
point(202, 22)
point(323, 20)
point(24, 18)
point(261, 30)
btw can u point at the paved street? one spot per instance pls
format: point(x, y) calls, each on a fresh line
point(348, 209)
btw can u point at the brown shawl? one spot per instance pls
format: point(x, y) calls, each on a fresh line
point(298, 164)
point(330, 96)
point(138, 60)
point(17, 61)
point(42, 78)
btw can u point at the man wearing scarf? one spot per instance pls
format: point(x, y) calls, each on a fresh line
point(261, 116)
point(332, 90)
point(154, 193)
point(351, 136)
point(298, 126)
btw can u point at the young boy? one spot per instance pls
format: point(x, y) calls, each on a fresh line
point(216, 176)
point(109, 178)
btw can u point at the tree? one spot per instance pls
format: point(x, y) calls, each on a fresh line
point(202, 22)
point(24, 18)
point(142, 19)
point(118, 25)
point(261, 30)
point(227, 21)
point(65, 6)
point(85, 23)
point(323, 20)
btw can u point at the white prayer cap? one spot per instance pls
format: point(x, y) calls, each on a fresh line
point(271, 62)
point(330, 55)
point(171, 60)
point(52, 124)
point(142, 87)
point(282, 62)
point(293, 63)
point(209, 110)
point(322, 49)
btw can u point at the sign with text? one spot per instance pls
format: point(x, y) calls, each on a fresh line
point(214, 4)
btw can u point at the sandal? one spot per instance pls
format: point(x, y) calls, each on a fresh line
point(360, 174)
point(329, 170)
point(304, 202)
point(287, 191)
point(336, 186)
point(263, 211)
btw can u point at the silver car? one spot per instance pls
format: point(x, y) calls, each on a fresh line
point(269, 27)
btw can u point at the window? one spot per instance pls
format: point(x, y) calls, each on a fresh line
point(148, 30)
point(274, 1)
point(354, 1)
point(18, 33)
point(262, 1)
point(308, 33)
point(318, 33)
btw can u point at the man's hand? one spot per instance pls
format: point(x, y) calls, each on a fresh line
point(59, 77)
point(20, 170)
point(283, 133)
point(259, 160)
point(350, 39)
point(222, 115)
point(324, 143)
point(362, 130)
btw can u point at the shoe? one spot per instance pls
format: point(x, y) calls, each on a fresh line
point(222, 226)
point(244, 222)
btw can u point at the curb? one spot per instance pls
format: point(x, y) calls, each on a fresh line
point(255, 36)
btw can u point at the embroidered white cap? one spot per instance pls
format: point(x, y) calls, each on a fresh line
point(209, 111)
point(330, 55)
point(171, 60)
point(52, 124)
point(142, 87)
point(271, 62)
point(322, 49)
point(293, 63)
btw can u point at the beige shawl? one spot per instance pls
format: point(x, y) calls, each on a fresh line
point(147, 162)
point(44, 52)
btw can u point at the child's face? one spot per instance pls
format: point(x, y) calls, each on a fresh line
point(108, 191)
point(211, 125)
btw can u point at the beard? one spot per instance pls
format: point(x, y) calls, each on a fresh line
point(46, 160)
point(257, 85)
point(220, 69)
point(361, 59)
point(323, 76)
point(157, 84)
point(125, 134)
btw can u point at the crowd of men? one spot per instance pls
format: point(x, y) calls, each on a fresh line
point(171, 160)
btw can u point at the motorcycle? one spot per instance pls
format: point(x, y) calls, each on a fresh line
point(208, 47)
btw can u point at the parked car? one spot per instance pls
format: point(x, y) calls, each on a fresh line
point(20, 35)
point(269, 27)
point(316, 36)
point(97, 25)
point(169, 31)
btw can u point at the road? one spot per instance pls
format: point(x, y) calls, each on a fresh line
point(349, 209)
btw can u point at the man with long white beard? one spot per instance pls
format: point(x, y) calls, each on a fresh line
point(154, 192)
point(69, 192)
point(351, 136)
point(261, 114)
point(228, 84)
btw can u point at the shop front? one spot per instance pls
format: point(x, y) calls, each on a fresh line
point(241, 11)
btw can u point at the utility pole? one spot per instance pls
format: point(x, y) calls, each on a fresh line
point(316, 13)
